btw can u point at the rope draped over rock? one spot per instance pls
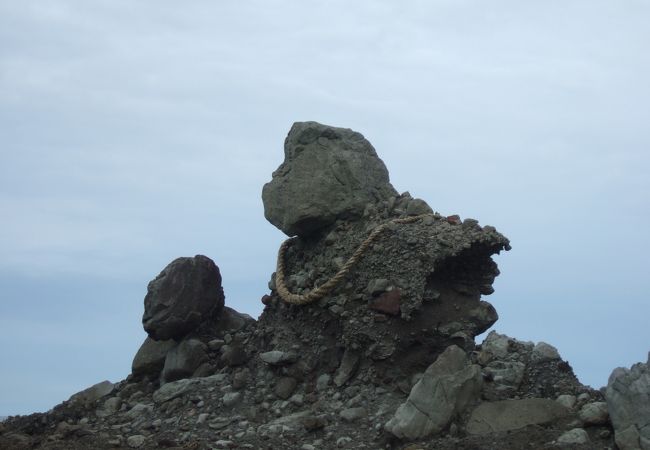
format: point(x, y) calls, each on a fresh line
point(327, 287)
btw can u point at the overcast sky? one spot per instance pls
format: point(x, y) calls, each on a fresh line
point(132, 133)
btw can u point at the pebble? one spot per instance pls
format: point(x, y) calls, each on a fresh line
point(574, 436)
point(135, 441)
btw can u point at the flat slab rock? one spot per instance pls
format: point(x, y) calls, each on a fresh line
point(510, 415)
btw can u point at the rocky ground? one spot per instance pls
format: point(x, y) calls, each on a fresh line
point(385, 359)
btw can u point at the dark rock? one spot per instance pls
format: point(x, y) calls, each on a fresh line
point(313, 423)
point(186, 293)
point(328, 173)
point(348, 367)
point(233, 355)
point(284, 387)
point(184, 359)
point(150, 358)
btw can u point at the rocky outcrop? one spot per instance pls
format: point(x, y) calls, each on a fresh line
point(386, 358)
point(328, 173)
point(628, 401)
point(446, 389)
point(187, 292)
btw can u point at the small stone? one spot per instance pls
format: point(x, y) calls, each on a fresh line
point(216, 344)
point(266, 300)
point(322, 382)
point(418, 207)
point(313, 423)
point(203, 417)
point(574, 436)
point(222, 443)
point(307, 447)
point(594, 414)
point(230, 398)
point(285, 387)
point(566, 400)
point(377, 286)
point(348, 367)
point(135, 441)
point(278, 358)
point(387, 303)
point(139, 410)
point(343, 441)
point(233, 355)
point(544, 352)
point(352, 414)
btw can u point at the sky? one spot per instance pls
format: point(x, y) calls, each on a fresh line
point(132, 133)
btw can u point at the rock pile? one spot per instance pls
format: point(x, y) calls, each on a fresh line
point(385, 359)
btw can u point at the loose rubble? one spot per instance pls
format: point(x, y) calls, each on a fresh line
point(387, 359)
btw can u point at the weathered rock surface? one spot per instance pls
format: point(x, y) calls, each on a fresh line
point(628, 401)
point(184, 359)
point(90, 395)
point(507, 415)
point(187, 292)
point(446, 388)
point(328, 173)
point(150, 358)
point(386, 359)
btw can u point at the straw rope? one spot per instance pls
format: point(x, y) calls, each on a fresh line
point(327, 287)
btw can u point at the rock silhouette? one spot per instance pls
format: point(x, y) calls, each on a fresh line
point(385, 359)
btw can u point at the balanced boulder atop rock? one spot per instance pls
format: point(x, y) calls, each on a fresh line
point(328, 173)
point(186, 293)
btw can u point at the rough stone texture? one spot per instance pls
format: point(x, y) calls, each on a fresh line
point(187, 292)
point(150, 358)
point(328, 173)
point(594, 414)
point(184, 359)
point(628, 401)
point(574, 436)
point(447, 387)
point(90, 395)
point(509, 415)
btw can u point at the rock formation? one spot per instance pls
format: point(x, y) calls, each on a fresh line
point(384, 357)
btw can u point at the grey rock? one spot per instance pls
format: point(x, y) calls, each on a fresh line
point(184, 359)
point(510, 415)
point(150, 358)
point(328, 173)
point(110, 407)
point(594, 414)
point(544, 352)
point(138, 410)
point(574, 436)
point(136, 441)
point(186, 293)
point(89, 396)
point(322, 382)
point(418, 207)
point(348, 367)
point(567, 400)
point(174, 389)
point(233, 355)
point(285, 386)
point(628, 402)
point(231, 398)
point(231, 321)
point(278, 358)
point(352, 414)
point(446, 388)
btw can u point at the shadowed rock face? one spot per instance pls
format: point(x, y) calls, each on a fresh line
point(186, 293)
point(328, 173)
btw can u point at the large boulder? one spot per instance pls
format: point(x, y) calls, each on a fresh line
point(447, 387)
point(628, 401)
point(184, 359)
point(508, 415)
point(150, 359)
point(186, 293)
point(327, 173)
